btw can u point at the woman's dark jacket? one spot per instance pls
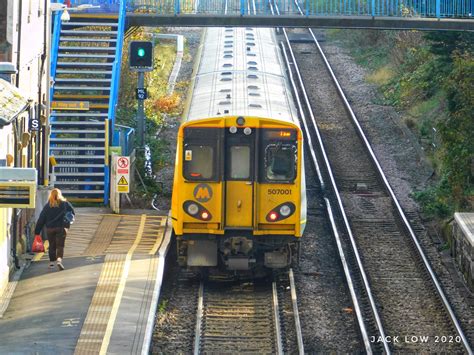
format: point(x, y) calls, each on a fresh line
point(53, 217)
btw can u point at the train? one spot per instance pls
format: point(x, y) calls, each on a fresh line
point(239, 192)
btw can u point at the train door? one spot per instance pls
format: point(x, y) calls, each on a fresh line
point(240, 177)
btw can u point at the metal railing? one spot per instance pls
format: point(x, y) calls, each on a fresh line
point(56, 20)
point(391, 8)
point(125, 136)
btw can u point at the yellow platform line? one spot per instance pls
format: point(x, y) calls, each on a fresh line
point(159, 241)
point(118, 296)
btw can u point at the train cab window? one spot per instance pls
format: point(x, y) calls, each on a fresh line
point(280, 162)
point(239, 166)
point(198, 162)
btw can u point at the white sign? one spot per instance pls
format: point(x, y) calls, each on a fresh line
point(122, 178)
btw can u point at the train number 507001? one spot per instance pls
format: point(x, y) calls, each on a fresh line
point(279, 191)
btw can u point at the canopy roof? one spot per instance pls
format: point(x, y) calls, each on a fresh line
point(12, 102)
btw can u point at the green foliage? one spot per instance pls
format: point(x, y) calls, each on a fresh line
point(162, 306)
point(443, 44)
point(457, 131)
point(435, 201)
point(432, 76)
point(414, 81)
point(156, 83)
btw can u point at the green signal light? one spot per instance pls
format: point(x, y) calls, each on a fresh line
point(141, 52)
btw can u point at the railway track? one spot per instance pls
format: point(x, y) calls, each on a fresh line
point(401, 296)
point(248, 318)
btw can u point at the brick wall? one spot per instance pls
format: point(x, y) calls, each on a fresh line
point(463, 252)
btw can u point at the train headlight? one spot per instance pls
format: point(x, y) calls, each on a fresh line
point(196, 210)
point(273, 216)
point(285, 210)
point(233, 129)
point(247, 131)
point(193, 209)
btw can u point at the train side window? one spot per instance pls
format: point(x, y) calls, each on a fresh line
point(280, 162)
point(239, 168)
point(198, 162)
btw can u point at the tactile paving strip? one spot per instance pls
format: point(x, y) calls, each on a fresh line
point(81, 233)
point(95, 324)
point(154, 227)
point(119, 237)
point(103, 235)
point(125, 236)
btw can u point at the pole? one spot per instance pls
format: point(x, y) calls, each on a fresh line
point(141, 111)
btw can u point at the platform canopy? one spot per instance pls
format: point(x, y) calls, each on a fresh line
point(12, 103)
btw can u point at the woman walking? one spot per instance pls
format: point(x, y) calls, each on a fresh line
point(53, 216)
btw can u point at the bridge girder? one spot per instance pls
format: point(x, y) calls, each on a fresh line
point(352, 22)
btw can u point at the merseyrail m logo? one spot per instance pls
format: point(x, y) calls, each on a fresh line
point(203, 192)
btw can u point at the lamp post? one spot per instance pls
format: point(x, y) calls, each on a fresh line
point(54, 7)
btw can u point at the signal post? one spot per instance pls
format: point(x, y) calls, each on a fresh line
point(141, 61)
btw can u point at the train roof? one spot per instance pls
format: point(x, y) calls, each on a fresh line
point(240, 73)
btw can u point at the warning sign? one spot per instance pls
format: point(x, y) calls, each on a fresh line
point(122, 181)
point(122, 168)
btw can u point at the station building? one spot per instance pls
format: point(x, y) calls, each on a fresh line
point(23, 86)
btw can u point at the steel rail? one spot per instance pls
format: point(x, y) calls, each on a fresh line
point(342, 210)
point(350, 283)
point(294, 302)
point(199, 314)
point(399, 209)
point(276, 315)
point(341, 207)
point(338, 196)
point(355, 301)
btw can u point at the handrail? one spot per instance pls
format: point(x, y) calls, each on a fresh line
point(114, 90)
point(115, 80)
point(106, 163)
point(374, 8)
point(54, 48)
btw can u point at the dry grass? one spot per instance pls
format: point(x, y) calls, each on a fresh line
point(381, 76)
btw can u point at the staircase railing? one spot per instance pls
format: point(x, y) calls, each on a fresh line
point(54, 47)
point(114, 90)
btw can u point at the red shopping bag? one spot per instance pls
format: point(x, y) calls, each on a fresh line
point(38, 246)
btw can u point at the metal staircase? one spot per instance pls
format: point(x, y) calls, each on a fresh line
point(84, 94)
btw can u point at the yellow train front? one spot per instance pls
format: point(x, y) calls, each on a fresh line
point(239, 199)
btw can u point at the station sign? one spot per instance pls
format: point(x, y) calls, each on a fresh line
point(70, 105)
point(34, 124)
point(122, 177)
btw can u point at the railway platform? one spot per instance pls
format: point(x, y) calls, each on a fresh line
point(105, 299)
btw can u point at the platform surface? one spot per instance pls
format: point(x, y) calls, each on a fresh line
point(101, 302)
